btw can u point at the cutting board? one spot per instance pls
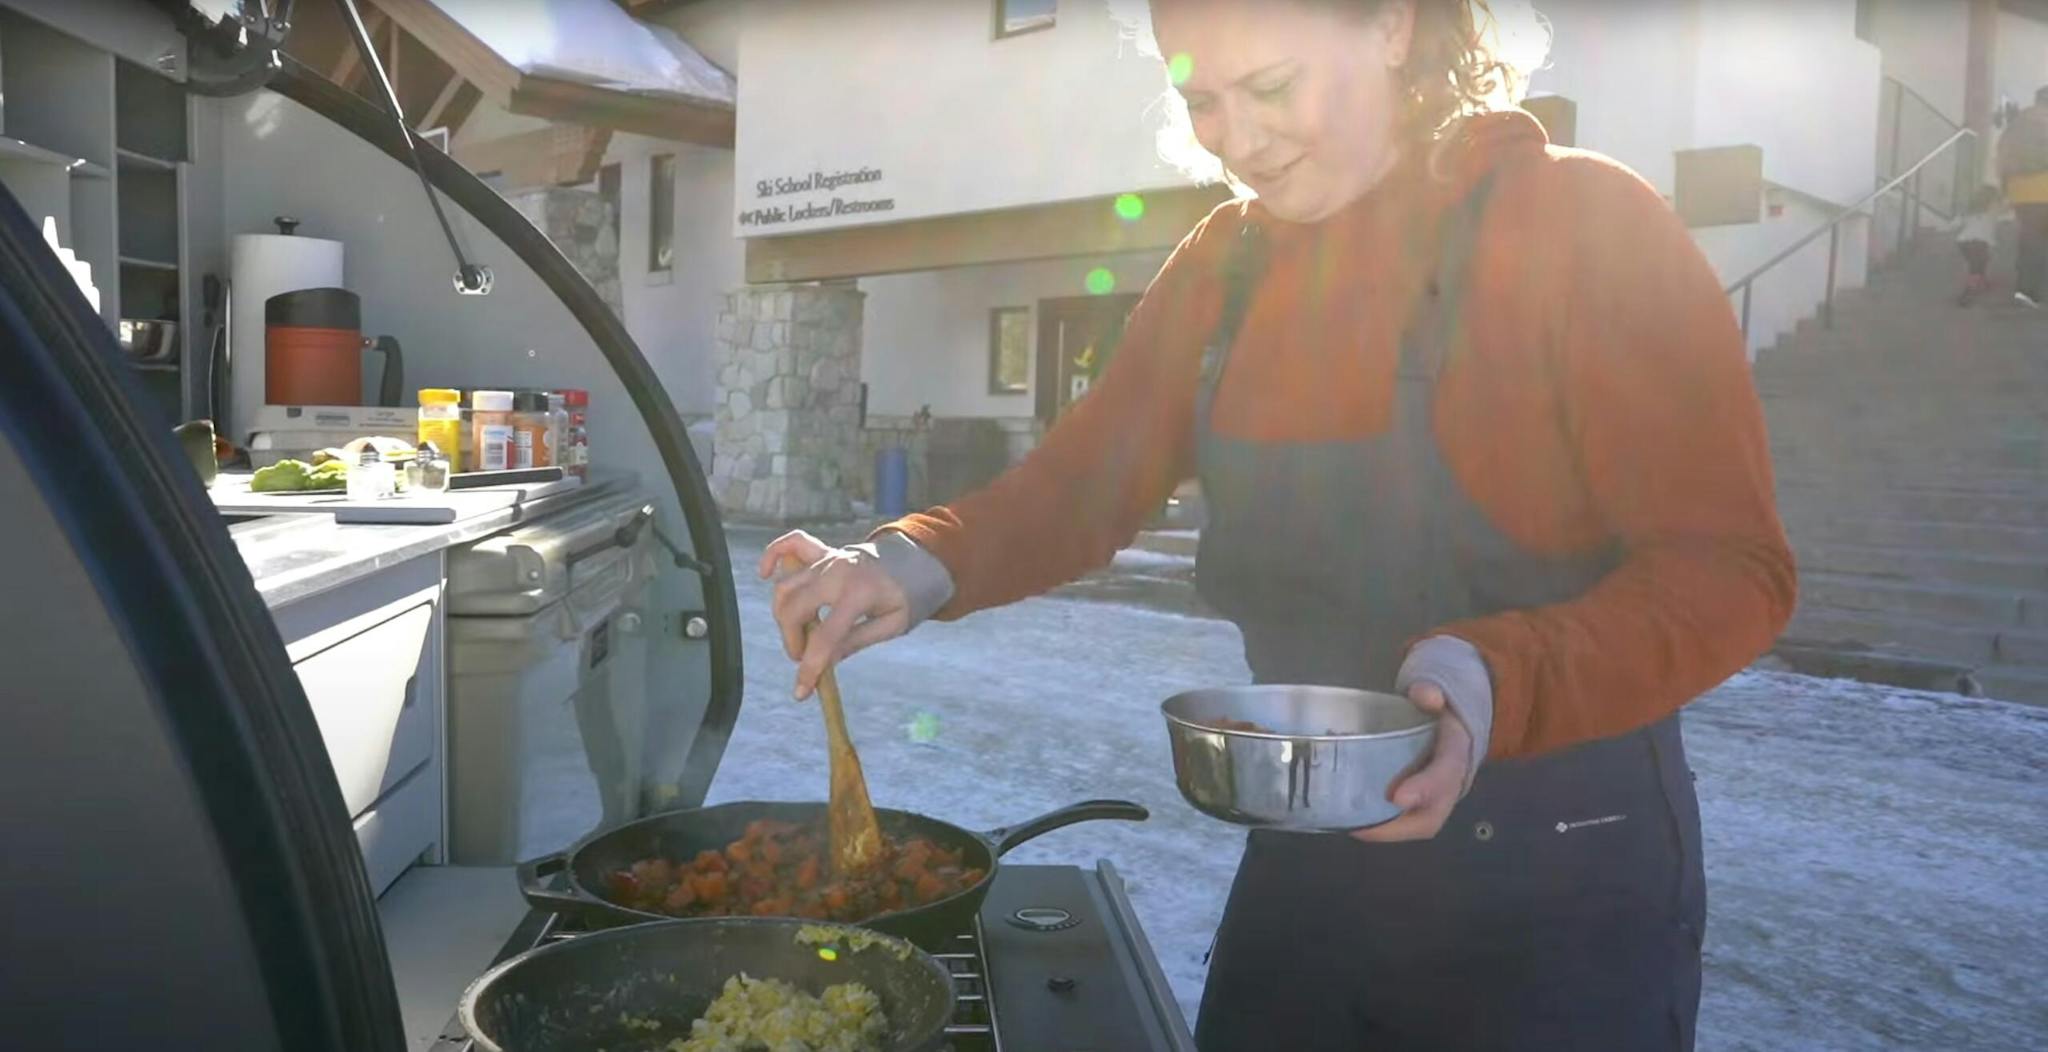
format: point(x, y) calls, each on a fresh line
point(231, 495)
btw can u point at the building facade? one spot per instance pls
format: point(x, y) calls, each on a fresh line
point(933, 214)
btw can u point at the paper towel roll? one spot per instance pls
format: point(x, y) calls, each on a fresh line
point(261, 266)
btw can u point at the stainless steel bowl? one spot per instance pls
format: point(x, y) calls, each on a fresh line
point(1323, 758)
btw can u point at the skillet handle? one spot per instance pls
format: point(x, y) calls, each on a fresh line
point(1008, 837)
point(535, 876)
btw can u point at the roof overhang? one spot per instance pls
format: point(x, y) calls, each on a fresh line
point(682, 118)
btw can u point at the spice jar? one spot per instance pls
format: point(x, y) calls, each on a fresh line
point(440, 419)
point(428, 471)
point(576, 442)
point(530, 430)
point(371, 477)
point(558, 429)
point(490, 418)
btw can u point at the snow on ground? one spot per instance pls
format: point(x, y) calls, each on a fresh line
point(1877, 859)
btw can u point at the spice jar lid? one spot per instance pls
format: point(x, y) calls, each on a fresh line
point(491, 401)
point(530, 402)
point(575, 397)
point(440, 396)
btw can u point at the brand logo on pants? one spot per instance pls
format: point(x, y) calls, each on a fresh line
point(1566, 827)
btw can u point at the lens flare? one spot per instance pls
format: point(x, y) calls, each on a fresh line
point(1099, 282)
point(924, 728)
point(1180, 67)
point(1130, 207)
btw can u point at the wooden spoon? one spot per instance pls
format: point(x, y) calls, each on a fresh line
point(856, 836)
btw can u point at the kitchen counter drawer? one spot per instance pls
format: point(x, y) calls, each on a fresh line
point(365, 692)
point(368, 656)
point(395, 831)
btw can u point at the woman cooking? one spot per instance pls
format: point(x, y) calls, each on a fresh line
point(1472, 419)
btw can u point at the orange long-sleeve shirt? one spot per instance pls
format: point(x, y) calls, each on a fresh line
point(1602, 393)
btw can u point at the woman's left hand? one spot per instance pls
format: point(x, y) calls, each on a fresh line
point(1427, 796)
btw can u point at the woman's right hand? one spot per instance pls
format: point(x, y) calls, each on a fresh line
point(861, 603)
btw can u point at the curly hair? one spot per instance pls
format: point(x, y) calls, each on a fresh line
point(1465, 57)
point(1453, 70)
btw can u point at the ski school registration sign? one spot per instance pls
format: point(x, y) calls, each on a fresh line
point(816, 195)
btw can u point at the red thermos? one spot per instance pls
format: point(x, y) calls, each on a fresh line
point(313, 351)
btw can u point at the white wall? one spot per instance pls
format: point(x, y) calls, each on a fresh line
point(1654, 79)
point(955, 121)
point(925, 341)
point(1795, 80)
point(1629, 67)
point(2022, 63)
point(1926, 45)
point(673, 316)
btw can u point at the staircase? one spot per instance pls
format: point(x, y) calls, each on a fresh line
point(1911, 443)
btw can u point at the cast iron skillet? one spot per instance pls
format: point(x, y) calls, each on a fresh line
point(680, 835)
point(602, 990)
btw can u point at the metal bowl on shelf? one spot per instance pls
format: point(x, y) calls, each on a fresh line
point(1295, 757)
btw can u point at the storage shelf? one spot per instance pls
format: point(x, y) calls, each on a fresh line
point(27, 151)
point(147, 264)
point(135, 159)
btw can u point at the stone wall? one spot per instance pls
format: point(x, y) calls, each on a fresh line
point(580, 224)
point(788, 446)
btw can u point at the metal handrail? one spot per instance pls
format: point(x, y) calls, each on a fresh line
point(1908, 185)
point(1931, 107)
point(1901, 91)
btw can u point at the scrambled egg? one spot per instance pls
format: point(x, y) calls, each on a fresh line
point(769, 1015)
point(856, 939)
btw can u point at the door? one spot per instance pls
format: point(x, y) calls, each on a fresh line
point(1077, 335)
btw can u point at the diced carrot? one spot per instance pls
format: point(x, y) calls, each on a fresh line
point(739, 851)
point(835, 897)
point(709, 886)
point(930, 888)
point(772, 852)
point(709, 861)
point(807, 873)
point(680, 897)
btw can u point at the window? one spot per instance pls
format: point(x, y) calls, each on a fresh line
point(1023, 16)
point(661, 212)
point(608, 183)
point(1009, 350)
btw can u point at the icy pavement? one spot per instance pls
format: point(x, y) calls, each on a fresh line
point(1877, 859)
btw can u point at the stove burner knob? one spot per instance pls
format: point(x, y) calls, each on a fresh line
point(1043, 918)
point(1059, 984)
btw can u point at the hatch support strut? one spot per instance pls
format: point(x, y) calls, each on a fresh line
point(471, 279)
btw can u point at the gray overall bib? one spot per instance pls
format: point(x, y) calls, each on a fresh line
point(1563, 903)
